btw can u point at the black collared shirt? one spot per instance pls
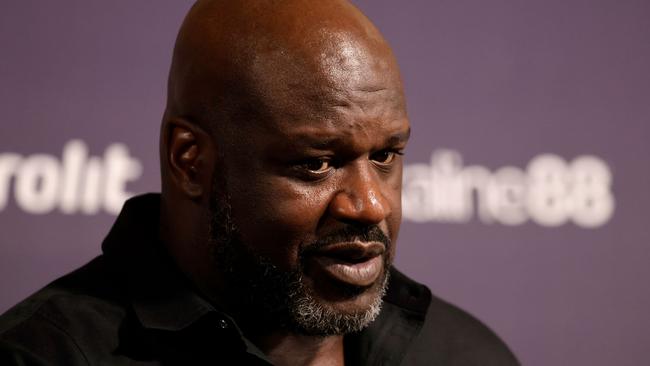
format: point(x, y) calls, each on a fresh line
point(131, 306)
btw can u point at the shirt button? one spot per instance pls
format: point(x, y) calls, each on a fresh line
point(223, 324)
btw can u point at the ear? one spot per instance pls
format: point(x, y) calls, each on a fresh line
point(189, 157)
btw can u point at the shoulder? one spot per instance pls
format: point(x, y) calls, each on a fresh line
point(62, 320)
point(449, 335)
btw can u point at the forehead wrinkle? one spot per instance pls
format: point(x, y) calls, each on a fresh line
point(323, 134)
point(377, 105)
point(335, 118)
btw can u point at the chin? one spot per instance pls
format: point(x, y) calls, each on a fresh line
point(345, 297)
point(330, 308)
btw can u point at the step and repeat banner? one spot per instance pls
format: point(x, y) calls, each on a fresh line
point(526, 184)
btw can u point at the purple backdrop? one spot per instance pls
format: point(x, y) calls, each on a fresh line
point(547, 251)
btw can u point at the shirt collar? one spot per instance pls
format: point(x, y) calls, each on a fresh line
point(161, 297)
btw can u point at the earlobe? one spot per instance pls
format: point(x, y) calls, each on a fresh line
point(188, 156)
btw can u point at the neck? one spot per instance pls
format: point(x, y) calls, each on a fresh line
point(302, 350)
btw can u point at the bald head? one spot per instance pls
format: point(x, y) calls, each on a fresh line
point(283, 131)
point(238, 60)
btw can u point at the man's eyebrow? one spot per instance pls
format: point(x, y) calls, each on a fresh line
point(325, 143)
point(329, 142)
point(399, 137)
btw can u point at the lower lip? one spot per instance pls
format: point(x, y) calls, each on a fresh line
point(357, 274)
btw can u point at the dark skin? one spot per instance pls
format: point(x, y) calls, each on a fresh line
point(300, 105)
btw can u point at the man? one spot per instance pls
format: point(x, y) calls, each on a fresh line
point(273, 238)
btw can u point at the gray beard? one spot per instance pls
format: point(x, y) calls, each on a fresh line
point(262, 296)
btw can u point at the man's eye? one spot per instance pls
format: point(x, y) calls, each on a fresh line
point(317, 166)
point(384, 157)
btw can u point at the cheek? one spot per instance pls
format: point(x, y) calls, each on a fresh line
point(275, 217)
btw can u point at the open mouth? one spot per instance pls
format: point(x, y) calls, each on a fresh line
point(354, 263)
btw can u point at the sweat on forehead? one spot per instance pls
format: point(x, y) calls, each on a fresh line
point(233, 58)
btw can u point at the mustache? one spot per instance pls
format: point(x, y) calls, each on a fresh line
point(349, 234)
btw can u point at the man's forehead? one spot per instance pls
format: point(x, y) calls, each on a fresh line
point(338, 66)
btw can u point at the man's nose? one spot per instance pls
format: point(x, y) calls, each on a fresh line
point(360, 199)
